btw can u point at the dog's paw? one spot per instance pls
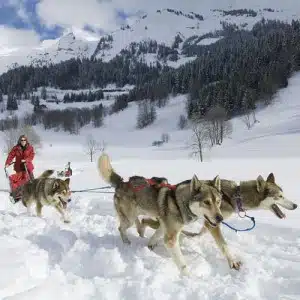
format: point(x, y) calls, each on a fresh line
point(152, 245)
point(235, 265)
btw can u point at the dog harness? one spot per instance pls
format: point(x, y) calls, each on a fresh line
point(151, 182)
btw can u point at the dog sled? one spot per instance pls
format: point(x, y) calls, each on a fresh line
point(67, 172)
point(16, 181)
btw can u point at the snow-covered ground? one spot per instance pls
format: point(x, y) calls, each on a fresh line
point(43, 258)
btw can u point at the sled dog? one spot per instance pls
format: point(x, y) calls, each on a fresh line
point(47, 191)
point(172, 207)
point(250, 195)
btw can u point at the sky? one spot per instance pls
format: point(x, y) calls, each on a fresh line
point(27, 22)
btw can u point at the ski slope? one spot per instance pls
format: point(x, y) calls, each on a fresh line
point(43, 258)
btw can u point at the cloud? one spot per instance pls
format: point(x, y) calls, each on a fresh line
point(20, 7)
point(78, 13)
point(103, 14)
point(25, 21)
point(12, 37)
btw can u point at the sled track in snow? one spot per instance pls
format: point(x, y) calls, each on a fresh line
point(87, 260)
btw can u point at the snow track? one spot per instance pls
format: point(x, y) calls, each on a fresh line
point(44, 258)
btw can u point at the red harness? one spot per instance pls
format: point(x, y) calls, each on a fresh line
point(152, 182)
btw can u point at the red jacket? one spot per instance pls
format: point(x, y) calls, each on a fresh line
point(19, 154)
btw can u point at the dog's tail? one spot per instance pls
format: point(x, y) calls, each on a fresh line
point(46, 174)
point(107, 172)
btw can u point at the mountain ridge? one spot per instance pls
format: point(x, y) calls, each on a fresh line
point(160, 24)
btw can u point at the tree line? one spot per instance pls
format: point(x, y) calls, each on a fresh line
point(83, 97)
point(79, 73)
point(235, 72)
point(70, 120)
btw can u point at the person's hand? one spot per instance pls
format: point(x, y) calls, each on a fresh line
point(23, 160)
point(6, 166)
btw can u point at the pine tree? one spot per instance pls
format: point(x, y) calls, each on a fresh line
point(12, 103)
point(146, 114)
point(98, 116)
point(43, 93)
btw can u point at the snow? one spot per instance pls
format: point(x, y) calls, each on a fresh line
point(70, 45)
point(147, 24)
point(43, 258)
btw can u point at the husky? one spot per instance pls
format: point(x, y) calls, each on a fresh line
point(47, 191)
point(173, 207)
point(256, 194)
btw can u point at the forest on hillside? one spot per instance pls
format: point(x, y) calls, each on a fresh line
point(235, 72)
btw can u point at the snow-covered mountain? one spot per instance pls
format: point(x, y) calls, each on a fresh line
point(177, 26)
point(72, 44)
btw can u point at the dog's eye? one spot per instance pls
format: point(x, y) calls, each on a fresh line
point(206, 203)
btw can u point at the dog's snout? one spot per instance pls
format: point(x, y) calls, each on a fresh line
point(295, 206)
point(219, 218)
point(69, 200)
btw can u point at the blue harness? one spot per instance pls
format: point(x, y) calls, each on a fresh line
point(241, 212)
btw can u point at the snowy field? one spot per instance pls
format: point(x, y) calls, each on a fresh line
point(43, 258)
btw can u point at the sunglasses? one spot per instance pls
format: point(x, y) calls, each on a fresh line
point(23, 140)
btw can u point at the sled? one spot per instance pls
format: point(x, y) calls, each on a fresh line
point(16, 181)
point(67, 172)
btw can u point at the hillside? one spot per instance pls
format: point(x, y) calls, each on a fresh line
point(236, 73)
point(157, 22)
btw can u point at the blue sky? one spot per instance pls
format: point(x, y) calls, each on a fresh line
point(10, 17)
point(31, 21)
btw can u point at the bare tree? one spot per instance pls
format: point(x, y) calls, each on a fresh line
point(249, 118)
point(146, 113)
point(165, 137)
point(92, 147)
point(33, 137)
point(182, 122)
point(11, 137)
point(2, 107)
point(218, 125)
point(200, 137)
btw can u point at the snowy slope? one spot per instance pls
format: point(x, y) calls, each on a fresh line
point(162, 25)
point(73, 44)
point(46, 259)
point(155, 20)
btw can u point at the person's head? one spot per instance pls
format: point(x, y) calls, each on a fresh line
point(22, 140)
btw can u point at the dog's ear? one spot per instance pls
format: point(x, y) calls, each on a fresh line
point(67, 181)
point(271, 178)
point(259, 183)
point(55, 186)
point(195, 184)
point(217, 183)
